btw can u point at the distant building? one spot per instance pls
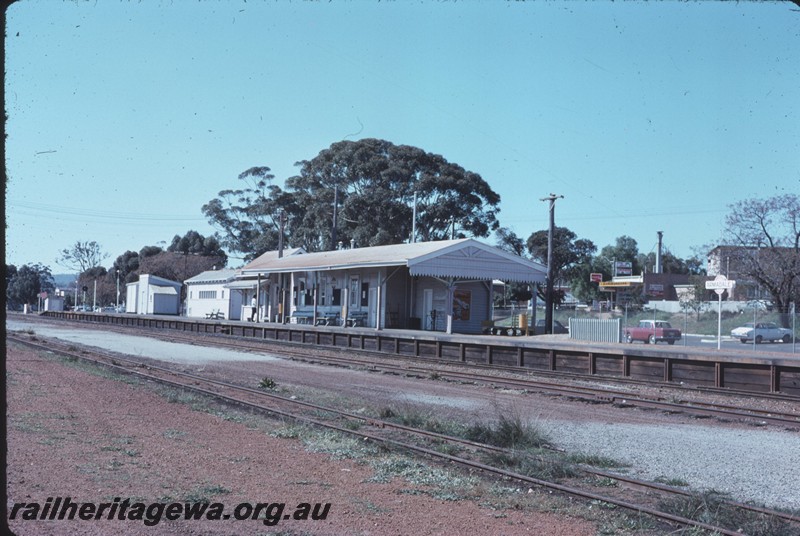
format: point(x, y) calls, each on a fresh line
point(733, 262)
point(54, 303)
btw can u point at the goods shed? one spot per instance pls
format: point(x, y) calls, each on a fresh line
point(438, 286)
point(153, 295)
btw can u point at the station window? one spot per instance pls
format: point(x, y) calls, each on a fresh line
point(208, 294)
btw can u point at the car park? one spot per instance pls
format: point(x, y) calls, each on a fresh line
point(764, 331)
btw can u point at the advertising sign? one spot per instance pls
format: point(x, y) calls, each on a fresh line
point(462, 302)
point(655, 290)
point(623, 268)
point(595, 278)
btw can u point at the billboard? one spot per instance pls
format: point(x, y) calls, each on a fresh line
point(623, 268)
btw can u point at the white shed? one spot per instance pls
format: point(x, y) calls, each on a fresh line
point(153, 295)
point(206, 293)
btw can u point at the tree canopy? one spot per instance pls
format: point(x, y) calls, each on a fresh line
point(193, 243)
point(249, 217)
point(82, 255)
point(27, 282)
point(355, 190)
point(373, 184)
point(569, 251)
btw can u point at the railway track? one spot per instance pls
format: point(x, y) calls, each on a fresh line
point(385, 432)
point(684, 400)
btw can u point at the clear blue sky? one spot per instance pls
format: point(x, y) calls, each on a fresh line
point(126, 117)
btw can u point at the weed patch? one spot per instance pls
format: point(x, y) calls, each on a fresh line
point(268, 384)
point(509, 432)
point(710, 508)
point(594, 461)
point(442, 484)
point(205, 493)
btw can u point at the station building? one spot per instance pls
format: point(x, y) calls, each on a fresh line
point(439, 286)
point(206, 294)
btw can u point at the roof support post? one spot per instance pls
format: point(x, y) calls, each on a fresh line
point(316, 299)
point(378, 305)
point(449, 305)
point(258, 298)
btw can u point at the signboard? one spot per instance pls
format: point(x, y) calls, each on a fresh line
point(615, 284)
point(720, 284)
point(623, 268)
point(596, 278)
point(655, 290)
point(462, 302)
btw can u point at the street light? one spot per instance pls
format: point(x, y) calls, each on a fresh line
point(117, 309)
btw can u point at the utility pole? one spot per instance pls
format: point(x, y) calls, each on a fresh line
point(548, 301)
point(282, 227)
point(414, 221)
point(335, 215)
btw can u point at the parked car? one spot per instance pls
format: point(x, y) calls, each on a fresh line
point(558, 327)
point(652, 332)
point(764, 331)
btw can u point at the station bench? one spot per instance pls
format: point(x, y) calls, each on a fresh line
point(356, 319)
point(328, 319)
point(302, 317)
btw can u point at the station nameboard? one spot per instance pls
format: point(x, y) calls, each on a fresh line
point(720, 284)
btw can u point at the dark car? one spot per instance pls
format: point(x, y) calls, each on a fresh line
point(558, 327)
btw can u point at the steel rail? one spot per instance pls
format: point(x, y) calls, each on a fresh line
point(416, 448)
point(726, 391)
point(598, 394)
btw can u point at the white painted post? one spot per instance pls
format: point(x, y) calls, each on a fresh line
point(719, 321)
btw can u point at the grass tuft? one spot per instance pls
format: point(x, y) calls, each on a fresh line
point(710, 508)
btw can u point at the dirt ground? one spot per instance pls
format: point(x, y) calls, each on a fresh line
point(93, 439)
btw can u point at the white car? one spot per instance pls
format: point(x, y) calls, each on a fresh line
point(764, 331)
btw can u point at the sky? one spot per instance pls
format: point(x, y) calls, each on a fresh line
point(125, 118)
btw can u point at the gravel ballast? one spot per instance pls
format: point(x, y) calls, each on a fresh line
point(751, 463)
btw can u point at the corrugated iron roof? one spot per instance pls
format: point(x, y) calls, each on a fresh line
point(463, 258)
point(269, 256)
point(210, 276)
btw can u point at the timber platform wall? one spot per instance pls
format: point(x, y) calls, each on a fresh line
point(689, 366)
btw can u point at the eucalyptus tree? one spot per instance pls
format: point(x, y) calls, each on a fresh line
point(249, 217)
point(368, 191)
point(82, 256)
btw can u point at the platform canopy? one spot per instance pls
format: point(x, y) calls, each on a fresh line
point(464, 259)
